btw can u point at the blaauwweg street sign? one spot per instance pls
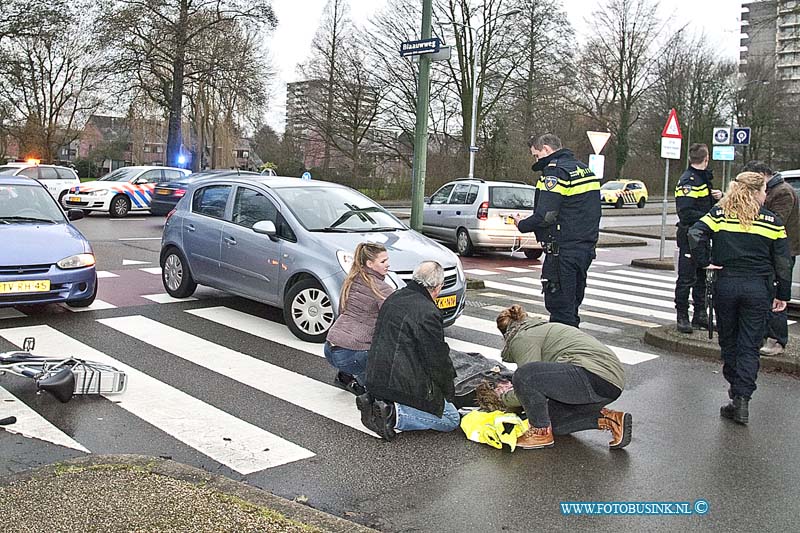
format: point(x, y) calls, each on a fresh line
point(422, 46)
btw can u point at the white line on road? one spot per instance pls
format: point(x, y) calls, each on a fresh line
point(645, 275)
point(616, 295)
point(629, 279)
point(10, 312)
point(96, 306)
point(605, 264)
point(584, 325)
point(164, 298)
point(480, 272)
point(127, 262)
point(152, 270)
point(106, 274)
point(140, 239)
point(516, 270)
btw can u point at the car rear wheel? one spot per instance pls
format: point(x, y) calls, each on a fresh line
point(619, 203)
point(61, 199)
point(464, 243)
point(86, 212)
point(86, 302)
point(120, 205)
point(533, 254)
point(640, 204)
point(176, 276)
point(308, 311)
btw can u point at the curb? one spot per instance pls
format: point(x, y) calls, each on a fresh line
point(165, 467)
point(654, 263)
point(698, 345)
point(632, 233)
point(619, 243)
point(475, 284)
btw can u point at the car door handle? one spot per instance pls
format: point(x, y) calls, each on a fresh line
point(438, 212)
point(189, 227)
point(230, 240)
point(458, 212)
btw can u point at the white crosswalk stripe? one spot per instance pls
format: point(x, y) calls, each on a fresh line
point(645, 275)
point(589, 326)
point(10, 312)
point(633, 280)
point(619, 295)
point(96, 306)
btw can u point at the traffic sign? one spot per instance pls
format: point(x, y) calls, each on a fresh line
point(741, 136)
point(597, 164)
point(670, 148)
point(473, 148)
point(672, 129)
point(306, 176)
point(722, 136)
point(598, 140)
point(723, 153)
point(423, 46)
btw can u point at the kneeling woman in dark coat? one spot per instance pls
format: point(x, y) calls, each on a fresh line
point(564, 380)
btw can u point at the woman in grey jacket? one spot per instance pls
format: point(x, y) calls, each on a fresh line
point(350, 337)
point(564, 380)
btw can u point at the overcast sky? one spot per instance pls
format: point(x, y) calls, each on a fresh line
point(290, 44)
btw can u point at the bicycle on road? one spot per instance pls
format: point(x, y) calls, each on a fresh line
point(63, 377)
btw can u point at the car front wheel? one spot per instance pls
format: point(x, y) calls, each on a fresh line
point(640, 204)
point(176, 276)
point(619, 203)
point(308, 311)
point(120, 205)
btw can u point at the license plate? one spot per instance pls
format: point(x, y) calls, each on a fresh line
point(39, 285)
point(509, 220)
point(163, 191)
point(74, 199)
point(446, 301)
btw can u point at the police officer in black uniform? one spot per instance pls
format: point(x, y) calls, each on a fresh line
point(566, 220)
point(694, 197)
point(750, 255)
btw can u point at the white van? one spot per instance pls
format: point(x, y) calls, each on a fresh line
point(56, 179)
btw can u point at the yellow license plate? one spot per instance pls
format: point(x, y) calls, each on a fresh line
point(163, 191)
point(446, 301)
point(74, 198)
point(39, 285)
point(509, 220)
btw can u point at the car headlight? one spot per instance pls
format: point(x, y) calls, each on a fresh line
point(76, 261)
point(345, 260)
point(101, 192)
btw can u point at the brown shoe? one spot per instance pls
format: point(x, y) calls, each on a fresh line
point(536, 438)
point(619, 424)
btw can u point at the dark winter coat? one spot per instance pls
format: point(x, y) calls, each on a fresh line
point(782, 200)
point(409, 361)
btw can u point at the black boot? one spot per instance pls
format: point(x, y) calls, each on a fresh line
point(741, 411)
point(683, 322)
point(700, 318)
point(726, 411)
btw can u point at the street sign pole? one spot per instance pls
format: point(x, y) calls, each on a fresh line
point(670, 149)
point(421, 129)
point(664, 213)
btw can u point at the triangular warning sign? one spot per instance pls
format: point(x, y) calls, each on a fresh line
point(672, 128)
point(598, 139)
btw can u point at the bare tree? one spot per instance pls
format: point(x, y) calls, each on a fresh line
point(158, 43)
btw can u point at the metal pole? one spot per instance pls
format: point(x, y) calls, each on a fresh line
point(664, 213)
point(474, 123)
point(421, 129)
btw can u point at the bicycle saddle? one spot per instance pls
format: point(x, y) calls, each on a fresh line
point(61, 384)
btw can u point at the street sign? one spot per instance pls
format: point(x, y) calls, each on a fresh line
point(423, 46)
point(722, 136)
point(473, 148)
point(306, 176)
point(741, 136)
point(670, 148)
point(598, 140)
point(597, 164)
point(723, 153)
point(672, 129)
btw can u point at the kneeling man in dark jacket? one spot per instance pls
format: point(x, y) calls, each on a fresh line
point(409, 371)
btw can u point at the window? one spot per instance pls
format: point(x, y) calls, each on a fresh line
point(47, 173)
point(65, 174)
point(170, 175)
point(473, 194)
point(441, 196)
point(151, 176)
point(460, 194)
point(251, 206)
point(511, 197)
point(210, 201)
point(31, 172)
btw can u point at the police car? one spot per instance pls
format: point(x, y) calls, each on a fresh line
point(622, 192)
point(121, 191)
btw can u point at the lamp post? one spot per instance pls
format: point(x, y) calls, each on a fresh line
point(474, 119)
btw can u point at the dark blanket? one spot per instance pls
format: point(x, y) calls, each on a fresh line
point(471, 369)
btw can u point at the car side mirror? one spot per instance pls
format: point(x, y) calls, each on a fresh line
point(266, 227)
point(426, 199)
point(74, 214)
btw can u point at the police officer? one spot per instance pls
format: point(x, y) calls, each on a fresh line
point(750, 254)
point(694, 197)
point(566, 219)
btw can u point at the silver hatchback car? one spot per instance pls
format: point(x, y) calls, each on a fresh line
point(288, 243)
point(474, 214)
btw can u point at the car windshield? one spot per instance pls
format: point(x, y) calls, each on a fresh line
point(612, 186)
point(336, 209)
point(9, 170)
point(26, 204)
point(511, 197)
point(121, 174)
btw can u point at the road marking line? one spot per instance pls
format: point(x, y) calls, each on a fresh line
point(605, 264)
point(590, 326)
point(164, 298)
point(636, 281)
point(516, 270)
point(10, 312)
point(591, 282)
point(480, 272)
point(583, 312)
point(310, 394)
point(126, 262)
point(221, 436)
point(96, 306)
point(629, 357)
point(106, 274)
point(152, 270)
point(33, 425)
point(140, 239)
point(598, 304)
point(609, 294)
point(645, 275)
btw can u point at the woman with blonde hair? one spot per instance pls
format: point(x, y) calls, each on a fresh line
point(350, 337)
point(564, 380)
point(750, 254)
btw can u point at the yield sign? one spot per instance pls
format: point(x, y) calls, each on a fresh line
point(672, 129)
point(598, 139)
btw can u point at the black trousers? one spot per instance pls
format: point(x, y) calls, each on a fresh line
point(742, 305)
point(777, 327)
point(690, 278)
point(563, 298)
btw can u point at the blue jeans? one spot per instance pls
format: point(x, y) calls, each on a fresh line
point(353, 362)
point(410, 419)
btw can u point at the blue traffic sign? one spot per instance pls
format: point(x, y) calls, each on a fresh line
point(306, 176)
point(423, 46)
point(741, 136)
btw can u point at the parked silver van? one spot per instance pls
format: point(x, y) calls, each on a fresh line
point(474, 214)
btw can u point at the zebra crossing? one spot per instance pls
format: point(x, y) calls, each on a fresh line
point(207, 340)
